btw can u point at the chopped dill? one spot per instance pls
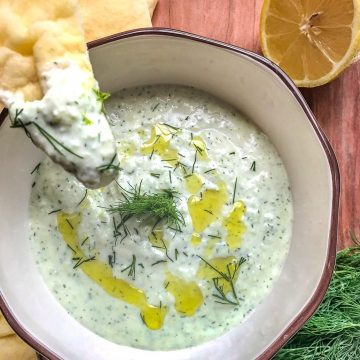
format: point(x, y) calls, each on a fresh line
point(71, 248)
point(109, 166)
point(155, 107)
point(234, 192)
point(33, 184)
point(208, 211)
point(175, 229)
point(152, 153)
point(176, 254)
point(232, 153)
point(141, 265)
point(172, 127)
point(84, 241)
point(166, 285)
point(185, 254)
point(54, 211)
point(155, 175)
point(198, 149)
point(81, 261)
point(163, 247)
point(253, 166)
point(110, 260)
point(182, 166)
point(170, 179)
point(131, 268)
point(158, 262)
point(209, 171)
point(83, 198)
point(56, 144)
point(67, 220)
point(214, 236)
point(36, 168)
point(229, 277)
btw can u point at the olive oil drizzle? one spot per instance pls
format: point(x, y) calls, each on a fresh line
point(187, 294)
point(101, 273)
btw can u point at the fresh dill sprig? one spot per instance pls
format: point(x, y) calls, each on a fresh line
point(56, 144)
point(195, 158)
point(131, 268)
point(221, 296)
point(160, 205)
point(229, 277)
point(333, 332)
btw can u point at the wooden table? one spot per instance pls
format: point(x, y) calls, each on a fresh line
point(336, 106)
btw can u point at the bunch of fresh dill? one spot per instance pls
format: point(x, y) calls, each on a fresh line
point(333, 333)
point(161, 206)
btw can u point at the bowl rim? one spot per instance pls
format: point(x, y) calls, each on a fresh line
point(316, 299)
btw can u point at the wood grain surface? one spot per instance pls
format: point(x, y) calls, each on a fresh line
point(336, 105)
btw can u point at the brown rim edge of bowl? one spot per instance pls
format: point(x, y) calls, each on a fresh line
point(323, 285)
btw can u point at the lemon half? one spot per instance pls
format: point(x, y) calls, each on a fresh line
point(313, 41)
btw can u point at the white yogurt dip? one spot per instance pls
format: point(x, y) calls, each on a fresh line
point(69, 123)
point(152, 285)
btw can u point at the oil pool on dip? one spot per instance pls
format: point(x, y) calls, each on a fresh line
point(156, 284)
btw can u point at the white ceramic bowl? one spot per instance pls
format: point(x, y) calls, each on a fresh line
point(268, 97)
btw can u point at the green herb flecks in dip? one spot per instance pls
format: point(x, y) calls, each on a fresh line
point(188, 239)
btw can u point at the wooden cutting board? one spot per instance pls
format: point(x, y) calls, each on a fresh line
point(336, 106)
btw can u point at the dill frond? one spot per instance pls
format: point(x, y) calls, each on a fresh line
point(161, 206)
point(333, 332)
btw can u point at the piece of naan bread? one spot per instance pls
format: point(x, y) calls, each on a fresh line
point(100, 18)
point(11, 346)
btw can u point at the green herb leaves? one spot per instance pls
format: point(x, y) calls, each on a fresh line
point(229, 276)
point(57, 145)
point(334, 331)
point(161, 206)
point(131, 268)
